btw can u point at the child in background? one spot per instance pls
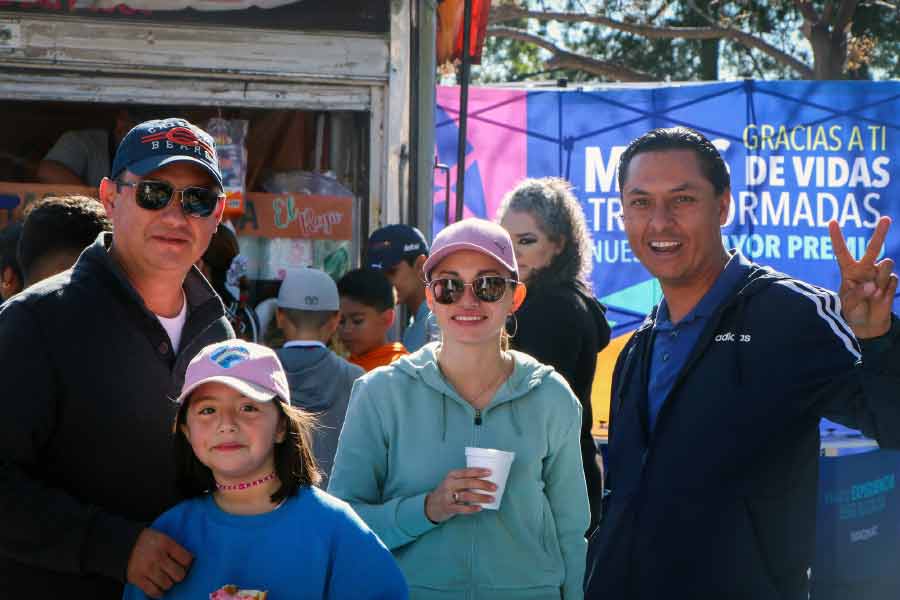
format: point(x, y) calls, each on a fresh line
point(320, 380)
point(367, 313)
point(399, 251)
point(253, 518)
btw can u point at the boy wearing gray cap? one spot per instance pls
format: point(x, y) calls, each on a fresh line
point(320, 380)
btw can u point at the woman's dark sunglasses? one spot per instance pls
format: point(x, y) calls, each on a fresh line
point(487, 288)
point(155, 195)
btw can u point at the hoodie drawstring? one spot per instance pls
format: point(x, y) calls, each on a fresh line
point(514, 417)
point(443, 417)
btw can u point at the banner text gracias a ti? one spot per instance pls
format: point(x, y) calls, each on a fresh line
point(799, 153)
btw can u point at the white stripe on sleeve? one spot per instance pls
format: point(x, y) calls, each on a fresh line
point(833, 306)
point(828, 307)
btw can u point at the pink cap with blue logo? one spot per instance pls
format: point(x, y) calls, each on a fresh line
point(251, 369)
point(479, 235)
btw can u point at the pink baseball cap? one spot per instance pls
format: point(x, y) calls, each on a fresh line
point(249, 368)
point(479, 235)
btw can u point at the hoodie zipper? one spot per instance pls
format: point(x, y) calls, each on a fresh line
point(477, 420)
point(476, 429)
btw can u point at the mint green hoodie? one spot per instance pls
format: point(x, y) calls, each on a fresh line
point(406, 428)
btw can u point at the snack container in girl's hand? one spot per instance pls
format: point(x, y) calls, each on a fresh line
point(499, 462)
point(231, 592)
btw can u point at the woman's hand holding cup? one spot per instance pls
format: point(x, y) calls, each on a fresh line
point(458, 494)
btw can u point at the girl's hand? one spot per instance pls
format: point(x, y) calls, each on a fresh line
point(457, 494)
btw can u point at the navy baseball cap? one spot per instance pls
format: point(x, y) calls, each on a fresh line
point(392, 243)
point(152, 145)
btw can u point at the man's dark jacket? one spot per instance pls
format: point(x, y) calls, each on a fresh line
point(719, 501)
point(86, 436)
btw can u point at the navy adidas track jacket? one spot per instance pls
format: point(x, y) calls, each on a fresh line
point(720, 500)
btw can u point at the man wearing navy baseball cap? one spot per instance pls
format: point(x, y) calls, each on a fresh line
point(400, 251)
point(99, 352)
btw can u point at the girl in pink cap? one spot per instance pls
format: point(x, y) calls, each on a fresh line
point(254, 523)
point(401, 460)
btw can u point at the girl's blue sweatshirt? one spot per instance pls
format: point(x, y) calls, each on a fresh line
point(311, 547)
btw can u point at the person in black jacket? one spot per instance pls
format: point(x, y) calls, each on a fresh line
point(714, 439)
point(95, 356)
point(560, 323)
point(224, 269)
point(11, 278)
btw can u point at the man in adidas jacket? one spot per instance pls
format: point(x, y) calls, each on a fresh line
point(714, 443)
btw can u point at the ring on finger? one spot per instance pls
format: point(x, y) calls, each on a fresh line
point(455, 497)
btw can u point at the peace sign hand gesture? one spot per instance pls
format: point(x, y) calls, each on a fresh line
point(867, 287)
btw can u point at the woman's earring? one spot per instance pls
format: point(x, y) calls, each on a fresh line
point(515, 325)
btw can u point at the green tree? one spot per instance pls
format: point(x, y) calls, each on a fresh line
point(663, 40)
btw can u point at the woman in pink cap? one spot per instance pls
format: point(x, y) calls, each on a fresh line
point(401, 459)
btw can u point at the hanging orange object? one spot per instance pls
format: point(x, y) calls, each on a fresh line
point(450, 30)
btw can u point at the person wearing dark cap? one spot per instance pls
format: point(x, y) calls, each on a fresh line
point(400, 251)
point(99, 352)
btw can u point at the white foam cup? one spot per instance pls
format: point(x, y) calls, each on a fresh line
point(499, 462)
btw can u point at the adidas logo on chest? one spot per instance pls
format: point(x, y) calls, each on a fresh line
point(730, 337)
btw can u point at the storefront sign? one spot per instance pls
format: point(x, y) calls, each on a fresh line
point(58, 6)
point(368, 16)
point(266, 215)
point(297, 216)
point(14, 197)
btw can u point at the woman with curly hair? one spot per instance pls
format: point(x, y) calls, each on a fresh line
point(560, 323)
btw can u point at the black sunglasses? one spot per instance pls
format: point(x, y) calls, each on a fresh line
point(487, 288)
point(196, 201)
